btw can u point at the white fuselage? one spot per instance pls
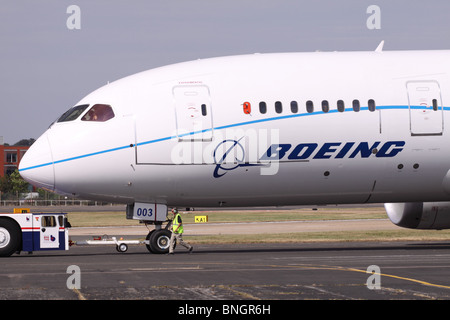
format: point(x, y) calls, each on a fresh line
point(182, 135)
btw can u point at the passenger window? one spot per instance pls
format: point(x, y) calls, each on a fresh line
point(309, 106)
point(325, 106)
point(371, 104)
point(435, 105)
point(294, 107)
point(340, 106)
point(262, 107)
point(73, 113)
point(203, 109)
point(99, 112)
point(356, 106)
point(278, 107)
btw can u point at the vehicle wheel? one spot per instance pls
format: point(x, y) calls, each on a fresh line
point(160, 241)
point(122, 247)
point(10, 237)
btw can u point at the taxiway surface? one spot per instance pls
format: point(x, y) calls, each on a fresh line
point(408, 270)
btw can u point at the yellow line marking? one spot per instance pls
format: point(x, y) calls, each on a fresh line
point(337, 268)
point(79, 294)
point(334, 268)
point(404, 278)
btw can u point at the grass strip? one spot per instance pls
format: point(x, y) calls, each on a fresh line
point(113, 218)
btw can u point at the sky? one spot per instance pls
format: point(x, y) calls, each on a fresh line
point(52, 56)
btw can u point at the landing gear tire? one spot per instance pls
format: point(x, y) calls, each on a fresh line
point(10, 237)
point(122, 247)
point(159, 241)
point(149, 235)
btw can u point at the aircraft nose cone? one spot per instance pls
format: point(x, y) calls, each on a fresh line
point(36, 166)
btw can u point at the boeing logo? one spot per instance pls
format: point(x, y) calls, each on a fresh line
point(336, 150)
point(233, 155)
point(234, 151)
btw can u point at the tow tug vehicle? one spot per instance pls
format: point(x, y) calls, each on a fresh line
point(25, 231)
point(28, 232)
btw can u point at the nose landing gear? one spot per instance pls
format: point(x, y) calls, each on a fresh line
point(158, 240)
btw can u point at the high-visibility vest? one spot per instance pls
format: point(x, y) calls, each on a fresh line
point(177, 221)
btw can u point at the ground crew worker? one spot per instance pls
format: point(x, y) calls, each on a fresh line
point(177, 233)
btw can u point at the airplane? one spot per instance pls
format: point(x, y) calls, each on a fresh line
point(276, 129)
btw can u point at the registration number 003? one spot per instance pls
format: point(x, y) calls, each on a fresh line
point(149, 211)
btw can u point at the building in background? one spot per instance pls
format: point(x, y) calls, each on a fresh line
point(10, 157)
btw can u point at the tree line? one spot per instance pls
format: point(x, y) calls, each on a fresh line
point(12, 186)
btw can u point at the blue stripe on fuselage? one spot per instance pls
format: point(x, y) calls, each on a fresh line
point(226, 127)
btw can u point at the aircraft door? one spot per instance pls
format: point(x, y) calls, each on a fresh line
point(425, 108)
point(193, 113)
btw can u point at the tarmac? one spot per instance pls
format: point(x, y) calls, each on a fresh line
point(250, 272)
point(239, 273)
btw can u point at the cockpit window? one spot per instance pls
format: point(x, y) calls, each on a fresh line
point(73, 113)
point(99, 112)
